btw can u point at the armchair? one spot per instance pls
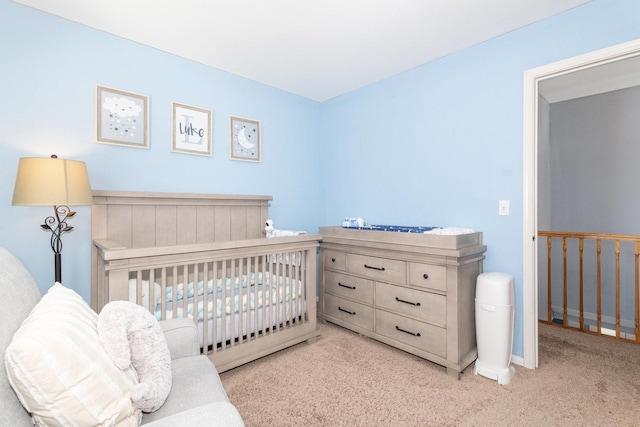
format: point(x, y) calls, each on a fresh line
point(188, 403)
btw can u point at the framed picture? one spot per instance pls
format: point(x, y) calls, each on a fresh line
point(244, 139)
point(122, 118)
point(190, 129)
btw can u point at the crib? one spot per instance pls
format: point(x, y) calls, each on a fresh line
point(205, 257)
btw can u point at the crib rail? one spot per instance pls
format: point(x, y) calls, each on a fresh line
point(597, 267)
point(237, 293)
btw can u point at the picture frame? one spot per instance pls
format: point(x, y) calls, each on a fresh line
point(191, 129)
point(122, 118)
point(244, 139)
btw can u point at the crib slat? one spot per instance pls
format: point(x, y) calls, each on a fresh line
point(205, 302)
point(163, 293)
point(255, 298)
point(290, 265)
point(266, 296)
point(223, 298)
point(185, 291)
point(232, 317)
point(138, 299)
point(278, 294)
point(240, 300)
point(308, 299)
point(215, 320)
point(153, 297)
point(174, 301)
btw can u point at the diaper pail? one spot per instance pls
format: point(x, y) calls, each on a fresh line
point(495, 313)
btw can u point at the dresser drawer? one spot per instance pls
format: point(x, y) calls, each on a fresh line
point(425, 306)
point(380, 269)
point(412, 332)
point(334, 259)
point(349, 311)
point(428, 276)
point(352, 287)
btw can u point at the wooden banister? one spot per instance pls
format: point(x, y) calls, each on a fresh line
point(601, 287)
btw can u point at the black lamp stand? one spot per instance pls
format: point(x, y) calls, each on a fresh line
point(57, 225)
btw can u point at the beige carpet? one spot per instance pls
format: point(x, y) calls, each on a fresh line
point(344, 379)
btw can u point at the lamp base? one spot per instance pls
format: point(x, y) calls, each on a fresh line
point(57, 261)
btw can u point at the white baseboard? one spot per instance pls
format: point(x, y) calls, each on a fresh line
point(517, 360)
point(558, 313)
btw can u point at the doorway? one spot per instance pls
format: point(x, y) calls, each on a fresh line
point(601, 71)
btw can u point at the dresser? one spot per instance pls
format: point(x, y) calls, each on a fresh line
point(412, 291)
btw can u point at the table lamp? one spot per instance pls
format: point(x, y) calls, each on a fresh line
point(45, 181)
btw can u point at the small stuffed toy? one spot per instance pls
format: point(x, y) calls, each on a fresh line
point(132, 336)
point(273, 232)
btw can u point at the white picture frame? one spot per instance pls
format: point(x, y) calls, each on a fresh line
point(122, 118)
point(191, 129)
point(244, 139)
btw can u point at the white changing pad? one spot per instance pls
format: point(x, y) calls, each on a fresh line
point(450, 231)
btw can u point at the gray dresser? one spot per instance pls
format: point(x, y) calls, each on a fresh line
point(412, 291)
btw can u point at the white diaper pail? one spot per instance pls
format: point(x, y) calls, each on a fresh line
point(495, 313)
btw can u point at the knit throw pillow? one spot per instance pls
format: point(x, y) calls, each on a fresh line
point(132, 336)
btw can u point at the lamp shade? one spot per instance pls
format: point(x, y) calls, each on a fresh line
point(51, 181)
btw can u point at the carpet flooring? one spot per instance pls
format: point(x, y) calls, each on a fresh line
point(345, 379)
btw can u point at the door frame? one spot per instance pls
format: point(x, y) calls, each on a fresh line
point(532, 78)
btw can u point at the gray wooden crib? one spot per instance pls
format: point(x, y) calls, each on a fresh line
point(205, 257)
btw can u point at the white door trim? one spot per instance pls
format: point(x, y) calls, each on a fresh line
point(530, 166)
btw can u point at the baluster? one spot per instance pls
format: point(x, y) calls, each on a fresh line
point(581, 249)
point(565, 316)
point(599, 284)
point(549, 310)
point(637, 290)
point(617, 289)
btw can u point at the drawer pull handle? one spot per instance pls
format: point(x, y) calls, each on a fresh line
point(415, 334)
point(425, 276)
point(347, 286)
point(353, 313)
point(374, 268)
point(417, 304)
point(333, 260)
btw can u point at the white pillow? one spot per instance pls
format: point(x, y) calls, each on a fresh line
point(60, 371)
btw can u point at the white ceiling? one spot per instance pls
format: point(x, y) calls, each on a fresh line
point(318, 49)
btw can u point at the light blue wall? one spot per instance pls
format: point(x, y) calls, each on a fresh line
point(442, 143)
point(437, 145)
point(49, 68)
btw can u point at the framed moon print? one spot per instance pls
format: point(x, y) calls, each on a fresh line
point(122, 118)
point(190, 129)
point(244, 139)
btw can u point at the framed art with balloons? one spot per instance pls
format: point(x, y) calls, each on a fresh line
point(244, 139)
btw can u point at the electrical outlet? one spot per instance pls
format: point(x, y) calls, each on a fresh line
point(503, 207)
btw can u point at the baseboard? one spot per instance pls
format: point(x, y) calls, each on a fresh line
point(608, 323)
point(559, 311)
point(517, 360)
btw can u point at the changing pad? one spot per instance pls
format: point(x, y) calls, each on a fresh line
point(396, 228)
point(412, 229)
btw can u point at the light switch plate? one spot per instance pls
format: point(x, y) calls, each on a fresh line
point(503, 207)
